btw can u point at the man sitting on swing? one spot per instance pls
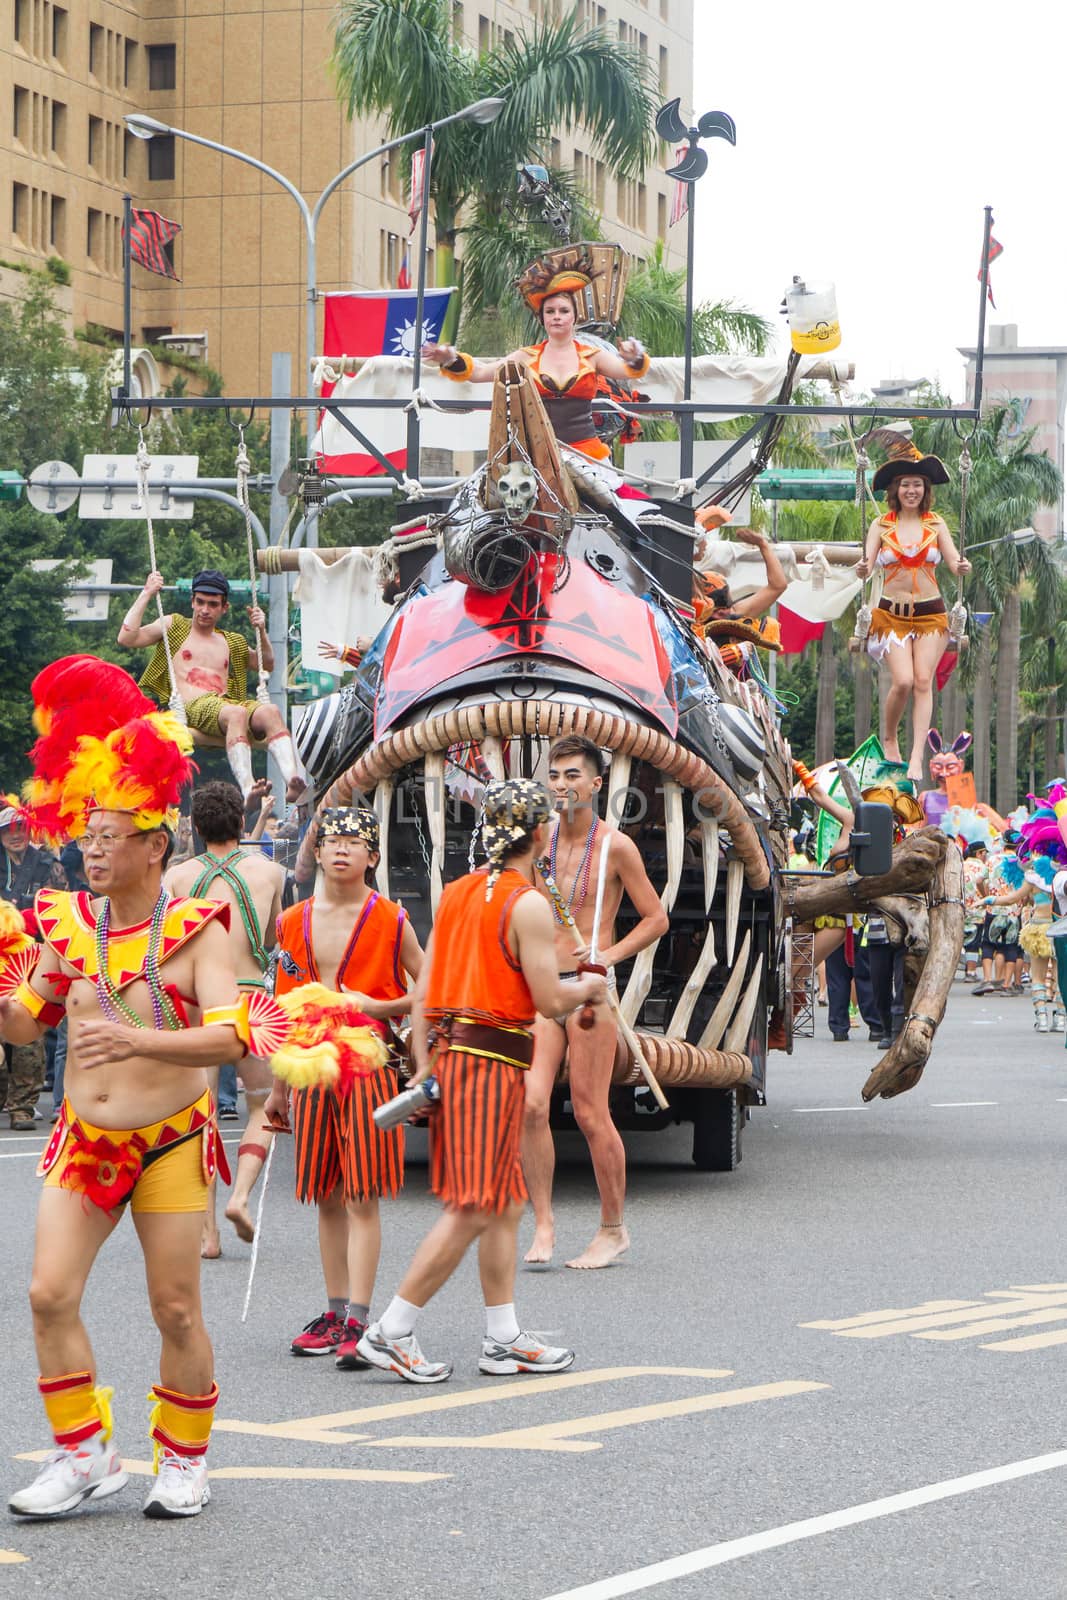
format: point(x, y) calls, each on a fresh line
point(211, 675)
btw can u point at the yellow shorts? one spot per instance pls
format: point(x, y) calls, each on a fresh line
point(203, 713)
point(163, 1167)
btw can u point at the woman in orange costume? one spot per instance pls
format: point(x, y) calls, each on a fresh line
point(564, 369)
point(909, 625)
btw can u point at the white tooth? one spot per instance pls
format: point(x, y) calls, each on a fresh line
point(434, 791)
point(709, 838)
point(618, 783)
point(716, 1023)
point(383, 800)
point(694, 984)
point(735, 877)
point(493, 756)
point(641, 975)
point(737, 1035)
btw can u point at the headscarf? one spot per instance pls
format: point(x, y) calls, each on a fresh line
point(350, 822)
point(511, 809)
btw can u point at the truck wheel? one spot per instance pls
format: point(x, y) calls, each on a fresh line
point(717, 1123)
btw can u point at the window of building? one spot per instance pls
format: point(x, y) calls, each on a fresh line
point(96, 49)
point(59, 129)
point(129, 149)
point(57, 224)
point(129, 63)
point(661, 216)
point(484, 34)
point(168, 251)
point(94, 236)
point(161, 158)
point(96, 142)
point(20, 114)
point(59, 33)
point(162, 66)
point(664, 9)
point(20, 21)
point(154, 335)
point(664, 65)
point(20, 210)
point(457, 19)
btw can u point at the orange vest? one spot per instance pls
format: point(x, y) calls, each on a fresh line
point(371, 962)
point(473, 972)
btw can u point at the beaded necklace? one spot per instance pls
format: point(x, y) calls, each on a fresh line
point(582, 875)
point(112, 1004)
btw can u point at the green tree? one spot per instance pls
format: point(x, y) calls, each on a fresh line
point(401, 58)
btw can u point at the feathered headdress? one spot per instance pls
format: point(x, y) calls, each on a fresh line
point(547, 276)
point(102, 745)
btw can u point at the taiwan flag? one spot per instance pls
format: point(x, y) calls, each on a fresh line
point(381, 324)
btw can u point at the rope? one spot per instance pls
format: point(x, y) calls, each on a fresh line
point(243, 468)
point(957, 617)
point(177, 704)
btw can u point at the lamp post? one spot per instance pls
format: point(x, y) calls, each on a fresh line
point(481, 111)
point(691, 165)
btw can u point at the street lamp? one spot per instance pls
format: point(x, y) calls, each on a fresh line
point(480, 112)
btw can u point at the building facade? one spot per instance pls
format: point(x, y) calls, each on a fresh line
point(252, 74)
point(1032, 379)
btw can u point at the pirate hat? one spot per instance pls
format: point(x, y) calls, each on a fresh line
point(550, 275)
point(906, 460)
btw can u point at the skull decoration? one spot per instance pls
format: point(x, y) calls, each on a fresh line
point(517, 488)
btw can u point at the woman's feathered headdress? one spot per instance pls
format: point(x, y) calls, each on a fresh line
point(102, 745)
point(547, 276)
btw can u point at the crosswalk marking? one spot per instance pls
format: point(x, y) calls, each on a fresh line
point(950, 1321)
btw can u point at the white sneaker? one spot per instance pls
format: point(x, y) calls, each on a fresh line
point(181, 1488)
point(401, 1356)
point(70, 1475)
point(527, 1353)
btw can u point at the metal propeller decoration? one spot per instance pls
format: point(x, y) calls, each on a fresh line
point(712, 125)
point(693, 165)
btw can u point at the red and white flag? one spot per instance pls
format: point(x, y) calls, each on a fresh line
point(680, 198)
point(418, 170)
point(995, 249)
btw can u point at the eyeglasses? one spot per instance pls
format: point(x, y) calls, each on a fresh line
point(104, 842)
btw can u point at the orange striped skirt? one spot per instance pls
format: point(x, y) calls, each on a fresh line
point(336, 1141)
point(475, 1132)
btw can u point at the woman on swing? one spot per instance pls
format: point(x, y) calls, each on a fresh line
point(909, 625)
point(564, 369)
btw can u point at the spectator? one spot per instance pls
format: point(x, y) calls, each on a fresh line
point(25, 868)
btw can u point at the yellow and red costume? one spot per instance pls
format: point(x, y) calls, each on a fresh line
point(904, 617)
point(481, 1010)
point(335, 1136)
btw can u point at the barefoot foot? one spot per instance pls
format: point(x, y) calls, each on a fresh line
point(238, 1213)
point(540, 1251)
point(607, 1245)
point(210, 1246)
point(892, 751)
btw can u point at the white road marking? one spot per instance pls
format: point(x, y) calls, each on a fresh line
point(718, 1555)
point(804, 1111)
point(948, 1105)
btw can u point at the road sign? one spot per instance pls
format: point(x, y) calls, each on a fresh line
point(52, 487)
point(122, 502)
point(87, 603)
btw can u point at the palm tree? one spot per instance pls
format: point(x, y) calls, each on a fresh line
point(400, 58)
point(1009, 482)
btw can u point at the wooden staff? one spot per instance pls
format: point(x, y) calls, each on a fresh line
point(633, 1043)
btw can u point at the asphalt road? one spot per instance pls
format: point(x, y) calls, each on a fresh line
point(713, 1406)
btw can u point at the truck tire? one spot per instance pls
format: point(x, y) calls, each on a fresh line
point(717, 1123)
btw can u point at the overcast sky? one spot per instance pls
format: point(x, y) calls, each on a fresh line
point(866, 151)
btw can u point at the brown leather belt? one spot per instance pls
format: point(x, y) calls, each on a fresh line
point(906, 607)
point(513, 1045)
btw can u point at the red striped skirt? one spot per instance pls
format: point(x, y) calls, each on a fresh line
point(337, 1142)
point(475, 1132)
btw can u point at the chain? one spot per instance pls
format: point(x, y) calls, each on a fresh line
point(422, 841)
point(177, 704)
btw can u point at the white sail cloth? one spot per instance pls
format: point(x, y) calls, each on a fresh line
point(817, 591)
point(339, 603)
point(717, 380)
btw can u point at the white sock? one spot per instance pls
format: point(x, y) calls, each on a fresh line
point(502, 1324)
point(399, 1318)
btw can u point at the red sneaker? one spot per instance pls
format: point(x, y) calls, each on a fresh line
point(348, 1356)
point(321, 1336)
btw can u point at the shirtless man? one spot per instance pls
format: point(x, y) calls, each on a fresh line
point(211, 671)
point(146, 984)
point(354, 941)
point(575, 777)
point(252, 887)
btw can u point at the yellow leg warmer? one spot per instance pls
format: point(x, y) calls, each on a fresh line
point(76, 1408)
point(182, 1422)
